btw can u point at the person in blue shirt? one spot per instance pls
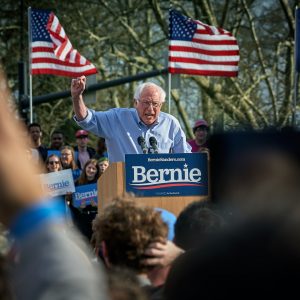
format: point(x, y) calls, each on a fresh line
point(130, 130)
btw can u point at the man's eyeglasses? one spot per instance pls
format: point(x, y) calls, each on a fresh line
point(149, 103)
point(82, 137)
point(53, 162)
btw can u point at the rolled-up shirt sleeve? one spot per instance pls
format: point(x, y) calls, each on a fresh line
point(87, 118)
point(100, 123)
point(91, 122)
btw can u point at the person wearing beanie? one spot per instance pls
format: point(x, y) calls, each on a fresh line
point(200, 129)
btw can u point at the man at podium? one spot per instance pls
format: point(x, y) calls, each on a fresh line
point(142, 129)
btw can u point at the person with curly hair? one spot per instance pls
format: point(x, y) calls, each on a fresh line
point(123, 231)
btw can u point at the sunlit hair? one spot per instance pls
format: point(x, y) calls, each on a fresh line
point(102, 159)
point(127, 230)
point(73, 164)
point(18, 185)
point(141, 87)
point(48, 159)
point(83, 178)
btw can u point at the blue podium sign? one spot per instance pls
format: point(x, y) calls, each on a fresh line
point(166, 174)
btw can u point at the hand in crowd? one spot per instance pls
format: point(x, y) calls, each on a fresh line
point(162, 253)
point(83, 204)
point(204, 150)
point(77, 86)
point(93, 203)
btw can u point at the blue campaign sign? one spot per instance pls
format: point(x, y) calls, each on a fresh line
point(76, 174)
point(55, 152)
point(166, 174)
point(85, 194)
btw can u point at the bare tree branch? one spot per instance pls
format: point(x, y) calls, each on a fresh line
point(261, 59)
point(289, 16)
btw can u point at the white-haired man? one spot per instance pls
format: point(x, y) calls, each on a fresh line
point(125, 129)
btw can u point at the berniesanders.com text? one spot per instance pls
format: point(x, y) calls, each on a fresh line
point(166, 159)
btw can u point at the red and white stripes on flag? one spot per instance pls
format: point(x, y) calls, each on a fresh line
point(51, 50)
point(199, 49)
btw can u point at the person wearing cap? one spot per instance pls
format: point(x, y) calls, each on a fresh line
point(126, 129)
point(84, 152)
point(200, 129)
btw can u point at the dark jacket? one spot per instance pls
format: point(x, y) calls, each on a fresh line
point(91, 151)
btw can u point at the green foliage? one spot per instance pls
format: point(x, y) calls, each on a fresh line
point(127, 37)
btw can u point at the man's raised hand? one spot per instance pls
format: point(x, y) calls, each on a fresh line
point(77, 86)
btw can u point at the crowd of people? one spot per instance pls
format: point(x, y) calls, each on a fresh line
point(243, 241)
point(86, 163)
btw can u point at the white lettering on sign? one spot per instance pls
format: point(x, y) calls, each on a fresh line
point(155, 176)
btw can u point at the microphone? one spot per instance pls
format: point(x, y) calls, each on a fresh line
point(153, 144)
point(142, 143)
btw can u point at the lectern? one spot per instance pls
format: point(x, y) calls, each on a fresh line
point(113, 182)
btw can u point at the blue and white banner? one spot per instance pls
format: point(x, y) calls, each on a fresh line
point(58, 183)
point(85, 195)
point(166, 174)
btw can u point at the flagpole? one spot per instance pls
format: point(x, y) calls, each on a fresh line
point(29, 68)
point(169, 74)
point(297, 65)
point(296, 80)
point(169, 91)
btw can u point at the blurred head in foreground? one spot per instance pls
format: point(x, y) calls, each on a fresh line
point(258, 259)
point(195, 223)
point(256, 176)
point(18, 187)
point(256, 172)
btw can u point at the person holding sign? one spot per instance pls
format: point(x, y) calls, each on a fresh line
point(142, 129)
point(83, 214)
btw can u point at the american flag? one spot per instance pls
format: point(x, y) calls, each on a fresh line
point(199, 49)
point(51, 50)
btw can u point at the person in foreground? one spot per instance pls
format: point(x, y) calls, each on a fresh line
point(46, 260)
point(258, 253)
point(124, 230)
point(142, 129)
